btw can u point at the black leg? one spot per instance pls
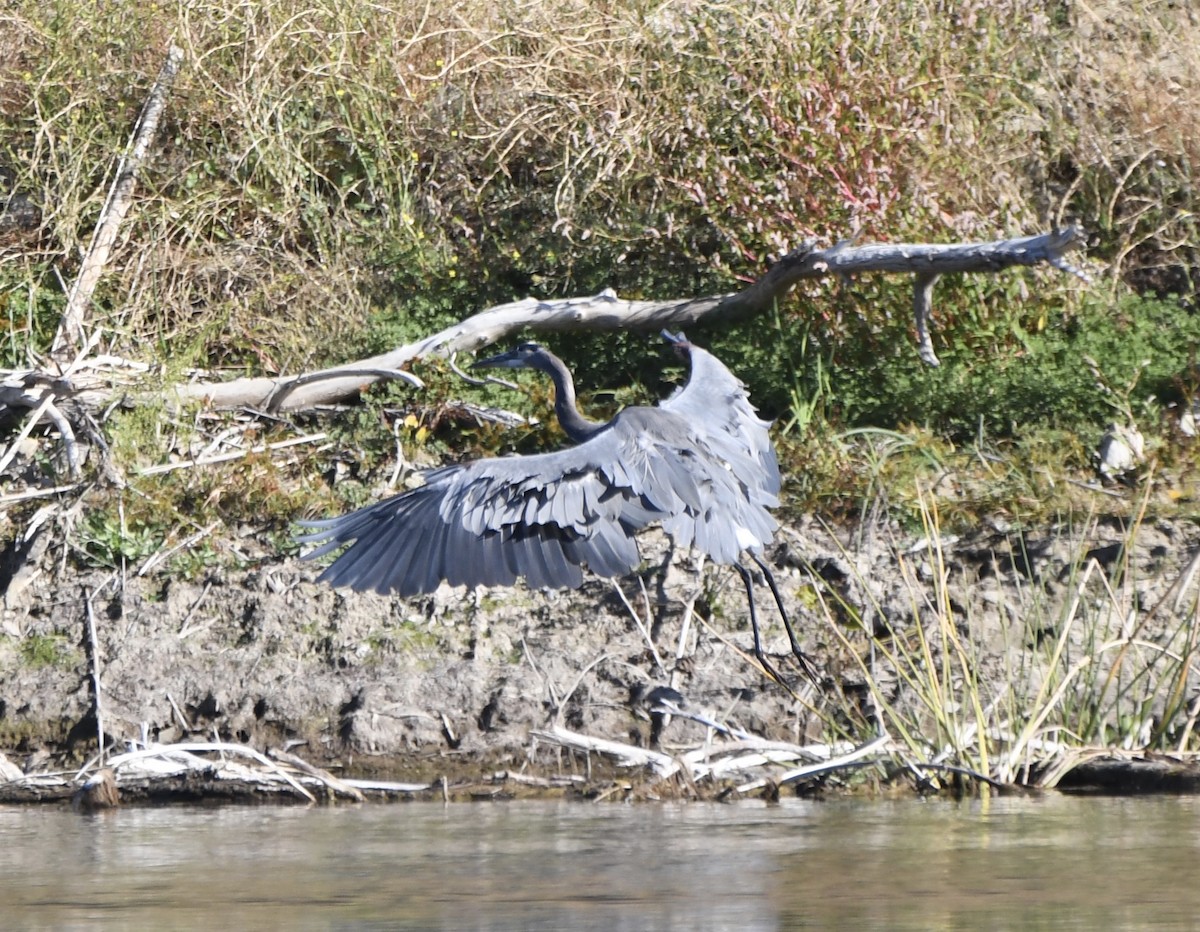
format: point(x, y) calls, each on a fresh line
point(809, 668)
point(758, 648)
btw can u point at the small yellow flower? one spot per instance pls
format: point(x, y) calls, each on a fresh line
point(441, 63)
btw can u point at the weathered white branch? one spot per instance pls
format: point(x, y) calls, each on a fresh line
point(922, 307)
point(92, 385)
point(626, 754)
point(877, 747)
point(282, 389)
point(606, 311)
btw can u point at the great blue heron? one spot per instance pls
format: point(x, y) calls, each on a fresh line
point(700, 464)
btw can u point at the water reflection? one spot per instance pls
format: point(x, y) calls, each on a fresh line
point(1006, 864)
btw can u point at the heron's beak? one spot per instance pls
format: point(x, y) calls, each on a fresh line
point(509, 360)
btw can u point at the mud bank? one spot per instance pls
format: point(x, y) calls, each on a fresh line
point(457, 682)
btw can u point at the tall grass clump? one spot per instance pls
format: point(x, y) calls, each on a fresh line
point(1021, 688)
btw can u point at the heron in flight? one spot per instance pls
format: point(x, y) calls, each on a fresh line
point(700, 464)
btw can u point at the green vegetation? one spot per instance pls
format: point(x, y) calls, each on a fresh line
point(47, 650)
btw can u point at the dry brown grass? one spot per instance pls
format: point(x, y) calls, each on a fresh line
point(324, 138)
point(1126, 104)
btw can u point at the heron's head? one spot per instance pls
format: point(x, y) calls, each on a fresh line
point(525, 356)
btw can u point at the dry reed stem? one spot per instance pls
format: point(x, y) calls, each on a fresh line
point(71, 331)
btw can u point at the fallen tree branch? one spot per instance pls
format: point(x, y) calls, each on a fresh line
point(339, 786)
point(95, 381)
point(715, 761)
point(874, 749)
point(177, 758)
point(626, 754)
point(277, 397)
point(606, 311)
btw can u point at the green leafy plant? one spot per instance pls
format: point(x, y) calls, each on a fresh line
point(111, 542)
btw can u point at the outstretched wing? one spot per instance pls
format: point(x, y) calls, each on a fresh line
point(492, 521)
point(715, 402)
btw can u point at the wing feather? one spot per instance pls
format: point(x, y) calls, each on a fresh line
point(716, 402)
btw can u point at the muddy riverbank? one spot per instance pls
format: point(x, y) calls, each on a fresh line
point(457, 683)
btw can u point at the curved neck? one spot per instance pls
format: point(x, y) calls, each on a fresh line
point(574, 424)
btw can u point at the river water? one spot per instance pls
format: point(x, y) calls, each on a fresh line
point(1047, 863)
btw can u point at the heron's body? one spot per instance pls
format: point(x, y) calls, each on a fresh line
point(700, 464)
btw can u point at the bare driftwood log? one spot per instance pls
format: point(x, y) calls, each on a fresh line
point(716, 760)
point(606, 311)
point(92, 381)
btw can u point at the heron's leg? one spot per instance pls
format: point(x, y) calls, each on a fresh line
point(809, 668)
point(758, 648)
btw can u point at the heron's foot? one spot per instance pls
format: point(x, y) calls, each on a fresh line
point(773, 674)
point(809, 668)
point(791, 685)
point(813, 676)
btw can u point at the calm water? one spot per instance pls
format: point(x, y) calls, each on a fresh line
point(1007, 864)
